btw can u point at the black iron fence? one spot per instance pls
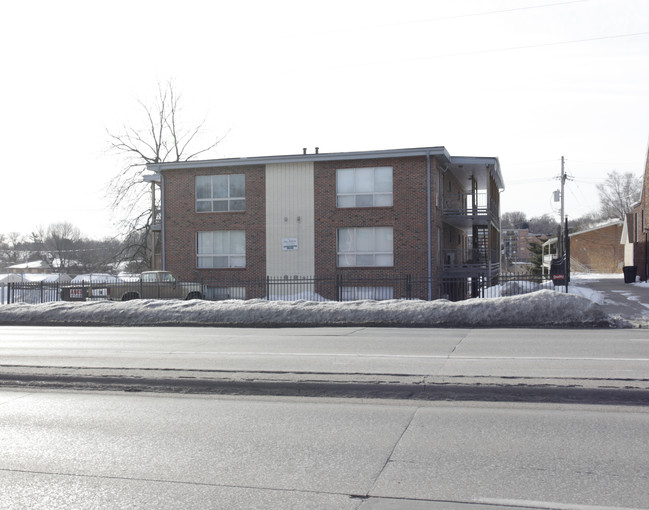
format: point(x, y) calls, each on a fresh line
point(335, 288)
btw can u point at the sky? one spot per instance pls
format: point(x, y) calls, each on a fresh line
point(527, 81)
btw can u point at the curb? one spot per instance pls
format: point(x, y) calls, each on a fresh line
point(347, 386)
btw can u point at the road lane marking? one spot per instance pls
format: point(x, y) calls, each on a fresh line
point(407, 356)
point(546, 505)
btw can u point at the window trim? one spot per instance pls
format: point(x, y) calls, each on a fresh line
point(355, 293)
point(373, 194)
point(228, 200)
point(230, 254)
point(355, 254)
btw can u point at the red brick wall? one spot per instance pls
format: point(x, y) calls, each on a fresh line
point(641, 257)
point(600, 250)
point(639, 248)
point(407, 216)
point(182, 222)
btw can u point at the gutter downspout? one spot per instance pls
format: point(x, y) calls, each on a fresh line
point(429, 228)
point(162, 212)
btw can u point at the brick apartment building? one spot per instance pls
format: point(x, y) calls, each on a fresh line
point(516, 248)
point(361, 215)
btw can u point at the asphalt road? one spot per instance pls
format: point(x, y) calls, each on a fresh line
point(382, 358)
point(107, 450)
point(619, 298)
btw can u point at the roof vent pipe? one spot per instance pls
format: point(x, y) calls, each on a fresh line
point(317, 150)
point(303, 150)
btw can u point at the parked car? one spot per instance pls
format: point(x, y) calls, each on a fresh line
point(149, 285)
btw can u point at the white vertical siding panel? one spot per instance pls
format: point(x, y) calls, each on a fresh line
point(289, 196)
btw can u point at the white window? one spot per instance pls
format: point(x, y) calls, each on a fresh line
point(223, 293)
point(375, 293)
point(221, 249)
point(220, 193)
point(360, 247)
point(364, 187)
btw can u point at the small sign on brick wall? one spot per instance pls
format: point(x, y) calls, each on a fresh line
point(289, 244)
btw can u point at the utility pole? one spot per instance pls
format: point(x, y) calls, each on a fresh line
point(561, 232)
point(563, 182)
point(560, 265)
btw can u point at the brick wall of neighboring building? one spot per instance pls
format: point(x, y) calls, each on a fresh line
point(182, 223)
point(641, 257)
point(407, 216)
point(599, 249)
point(517, 244)
point(639, 226)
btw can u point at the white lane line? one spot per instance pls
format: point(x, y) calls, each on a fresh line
point(548, 505)
point(407, 356)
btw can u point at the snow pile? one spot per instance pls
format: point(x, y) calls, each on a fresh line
point(544, 308)
point(514, 288)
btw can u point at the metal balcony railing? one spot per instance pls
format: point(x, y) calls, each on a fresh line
point(470, 205)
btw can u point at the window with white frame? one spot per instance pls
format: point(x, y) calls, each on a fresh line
point(375, 293)
point(365, 246)
point(364, 187)
point(220, 193)
point(221, 249)
point(223, 293)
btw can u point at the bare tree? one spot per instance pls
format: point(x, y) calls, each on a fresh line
point(618, 193)
point(588, 220)
point(12, 253)
point(544, 224)
point(514, 219)
point(61, 242)
point(160, 136)
point(4, 251)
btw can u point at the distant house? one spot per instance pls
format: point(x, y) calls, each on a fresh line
point(5, 279)
point(10, 278)
point(48, 277)
point(35, 266)
point(96, 277)
point(594, 250)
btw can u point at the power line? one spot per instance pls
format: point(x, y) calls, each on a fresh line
point(530, 180)
point(459, 16)
point(512, 48)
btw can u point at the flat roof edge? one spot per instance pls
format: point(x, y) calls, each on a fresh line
point(471, 160)
point(300, 158)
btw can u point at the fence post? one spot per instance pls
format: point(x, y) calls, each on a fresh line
point(267, 288)
point(338, 286)
point(408, 286)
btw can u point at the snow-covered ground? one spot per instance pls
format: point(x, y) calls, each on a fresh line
point(543, 308)
point(546, 307)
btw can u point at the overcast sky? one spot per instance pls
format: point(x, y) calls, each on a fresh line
point(527, 81)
